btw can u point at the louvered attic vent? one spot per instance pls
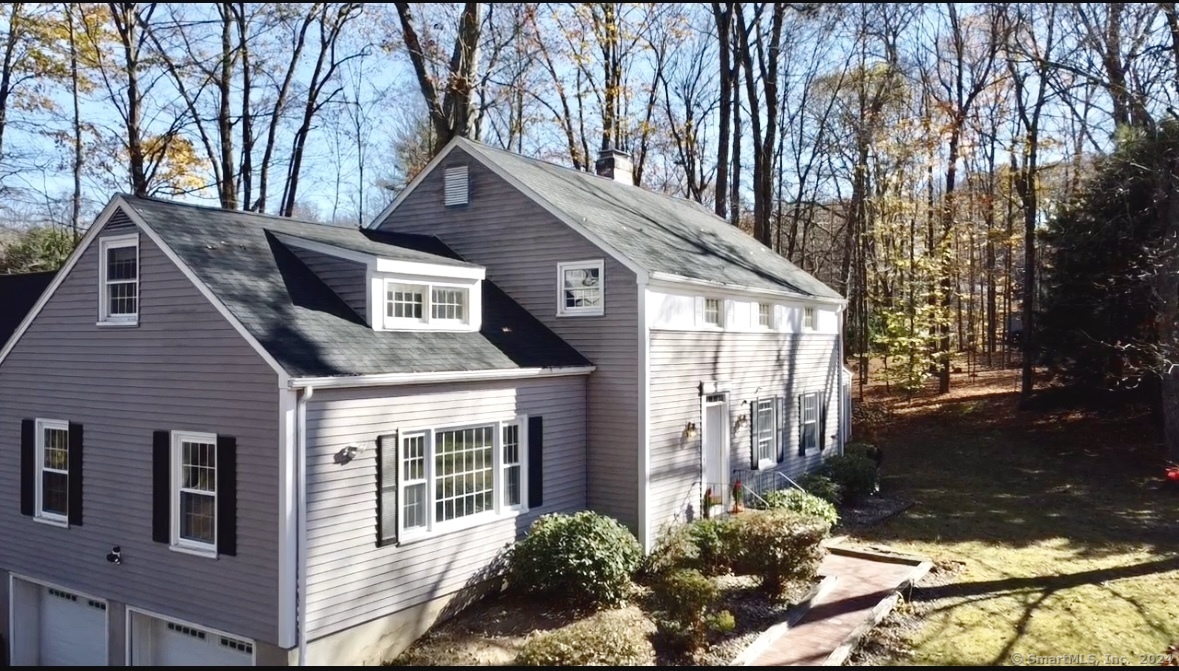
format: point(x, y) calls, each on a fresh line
point(457, 186)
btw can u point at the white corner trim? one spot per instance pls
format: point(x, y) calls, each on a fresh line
point(107, 212)
point(519, 186)
point(283, 376)
point(661, 278)
point(287, 519)
point(644, 395)
point(394, 379)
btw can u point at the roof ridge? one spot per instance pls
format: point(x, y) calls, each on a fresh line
point(585, 173)
point(248, 213)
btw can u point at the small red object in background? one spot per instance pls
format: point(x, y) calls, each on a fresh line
point(1173, 473)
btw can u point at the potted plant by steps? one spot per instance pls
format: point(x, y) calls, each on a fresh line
point(738, 497)
point(711, 500)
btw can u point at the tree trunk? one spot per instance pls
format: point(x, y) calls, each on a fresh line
point(76, 201)
point(228, 186)
point(722, 14)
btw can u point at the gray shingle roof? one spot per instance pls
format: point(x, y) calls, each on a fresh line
point(309, 329)
point(18, 294)
point(657, 232)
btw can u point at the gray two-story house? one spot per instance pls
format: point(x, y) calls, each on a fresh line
point(230, 439)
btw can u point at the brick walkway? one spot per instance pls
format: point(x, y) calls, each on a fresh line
point(861, 585)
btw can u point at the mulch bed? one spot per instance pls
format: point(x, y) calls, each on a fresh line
point(870, 511)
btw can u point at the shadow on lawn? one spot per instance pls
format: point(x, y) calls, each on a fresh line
point(979, 469)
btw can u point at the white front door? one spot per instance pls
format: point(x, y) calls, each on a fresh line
point(715, 449)
point(159, 642)
point(72, 629)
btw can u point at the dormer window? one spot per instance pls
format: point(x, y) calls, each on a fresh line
point(457, 186)
point(118, 276)
point(428, 305)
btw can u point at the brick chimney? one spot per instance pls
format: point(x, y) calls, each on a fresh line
point(614, 164)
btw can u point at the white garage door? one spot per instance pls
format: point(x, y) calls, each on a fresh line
point(73, 629)
point(175, 644)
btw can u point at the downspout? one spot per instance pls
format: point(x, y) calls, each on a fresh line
point(301, 533)
point(839, 386)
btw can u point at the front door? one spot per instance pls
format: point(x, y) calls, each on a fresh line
point(715, 448)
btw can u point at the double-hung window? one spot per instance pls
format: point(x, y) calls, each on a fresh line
point(808, 319)
point(765, 315)
point(119, 279)
point(194, 460)
point(447, 477)
point(415, 305)
point(53, 470)
point(580, 288)
point(808, 420)
point(765, 432)
point(714, 312)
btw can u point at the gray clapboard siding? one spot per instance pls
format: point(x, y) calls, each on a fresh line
point(183, 367)
point(520, 244)
point(347, 278)
point(350, 579)
point(754, 365)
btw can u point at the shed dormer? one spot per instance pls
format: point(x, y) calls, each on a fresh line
point(397, 289)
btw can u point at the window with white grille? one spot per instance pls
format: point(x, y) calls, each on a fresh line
point(418, 306)
point(447, 304)
point(808, 319)
point(580, 288)
point(53, 470)
point(405, 301)
point(765, 315)
point(511, 460)
point(458, 186)
point(765, 432)
point(714, 312)
point(118, 274)
point(194, 456)
point(809, 422)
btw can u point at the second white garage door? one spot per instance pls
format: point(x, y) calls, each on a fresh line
point(160, 642)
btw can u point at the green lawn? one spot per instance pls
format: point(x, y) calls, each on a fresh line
point(1050, 529)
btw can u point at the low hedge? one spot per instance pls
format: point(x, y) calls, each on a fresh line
point(802, 502)
point(855, 474)
point(612, 638)
point(780, 546)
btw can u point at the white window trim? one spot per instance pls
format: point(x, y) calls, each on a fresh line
point(811, 314)
point(594, 311)
point(500, 510)
point(772, 461)
point(104, 316)
point(39, 513)
point(757, 316)
point(722, 313)
point(472, 303)
point(802, 422)
point(177, 466)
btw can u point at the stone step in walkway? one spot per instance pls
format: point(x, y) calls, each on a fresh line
point(867, 582)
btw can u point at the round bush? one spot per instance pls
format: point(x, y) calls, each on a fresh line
point(684, 602)
point(586, 559)
point(802, 502)
point(705, 545)
point(866, 450)
point(855, 474)
point(780, 546)
point(612, 638)
point(823, 487)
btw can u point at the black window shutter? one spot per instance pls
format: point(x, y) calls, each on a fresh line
point(801, 426)
point(387, 489)
point(28, 466)
point(74, 505)
point(753, 433)
point(780, 429)
point(822, 403)
point(227, 496)
point(535, 462)
point(161, 472)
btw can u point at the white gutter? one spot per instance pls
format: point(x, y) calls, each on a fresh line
point(391, 379)
point(680, 279)
point(301, 485)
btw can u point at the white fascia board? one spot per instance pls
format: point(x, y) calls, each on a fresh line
point(107, 212)
point(644, 396)
point(283, 376)
point(437, 270)
point(395, 379)
point(324, 248)
point(670, 281)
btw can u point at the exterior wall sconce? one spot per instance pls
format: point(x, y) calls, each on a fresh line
point(690, 431)
point(742, 420)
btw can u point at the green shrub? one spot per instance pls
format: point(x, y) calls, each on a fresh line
point(706, 545)
point(780, 546)
point(855, 474)
point(823, 487)
point(802, 502)
point(685, 616)
point(607, 639)
point(586, 559)
point(865, 450)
